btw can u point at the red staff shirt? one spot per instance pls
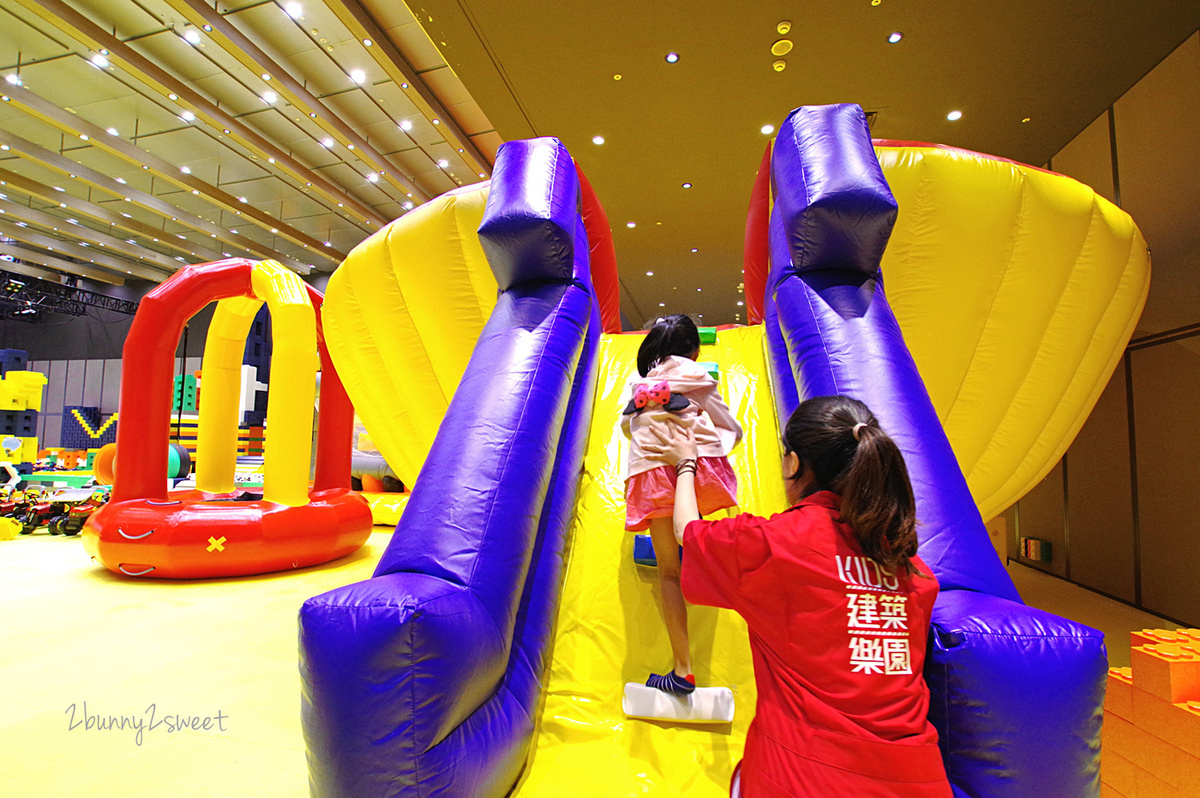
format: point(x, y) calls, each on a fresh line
point(839, 646)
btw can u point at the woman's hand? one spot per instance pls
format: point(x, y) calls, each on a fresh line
point(676, 440)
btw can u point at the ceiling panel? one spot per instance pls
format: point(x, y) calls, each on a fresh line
point(24, 39)
point(421, 53)
point(129, 19)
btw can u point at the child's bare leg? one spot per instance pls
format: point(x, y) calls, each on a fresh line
point(666, 550)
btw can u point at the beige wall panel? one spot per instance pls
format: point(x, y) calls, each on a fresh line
point(1158, 126)
point(1166, 394)
point(1100, 496)
point(1041, 514)
point(1088, 158)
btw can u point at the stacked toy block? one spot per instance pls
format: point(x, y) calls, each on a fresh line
point(12, 360)
point(20, 401)
point(258, 356)
point(1151, 743)
point(185, 395)
point(83, 429)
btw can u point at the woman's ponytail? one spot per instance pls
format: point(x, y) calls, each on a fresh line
point(877, 501)
point(839, 439)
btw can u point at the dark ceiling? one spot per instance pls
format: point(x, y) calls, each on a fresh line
point(541, 68)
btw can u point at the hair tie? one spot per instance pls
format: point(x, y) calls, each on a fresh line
point(857, 427)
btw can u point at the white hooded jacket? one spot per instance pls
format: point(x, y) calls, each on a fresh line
point(717, 431)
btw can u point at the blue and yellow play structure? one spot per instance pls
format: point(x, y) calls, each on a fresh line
point(487, 654)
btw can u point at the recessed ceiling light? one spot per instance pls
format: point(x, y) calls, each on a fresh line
point(672, 57)
point(649, 274)
point(694, 249)
point(186, 170)
point(208, 27)
point(405, 125)
point(192, 36)
point(367, 42)
point(4, 147)
point(481, 174)
point(616, 77)
point(779, 65)
point(781, 47)
point(269, 97)
point(443, 163)
point(597, 140)
point(895, 37)
point(437, 121)
point(740, 304)
point(357, 75)
point(372, 177)
point(699, 289)
point(112, 131)
point(631, 224)
point(767, 130)
point(327, 142)
point(662, 304)
point(954, 116)
point(85, 136)
point(274, 230)
point(100, 61)
point(172, 96)
point(187, 116)
point(404, 85)
point(13, 79)
point(241, 199)
point(270, 160)
point(293, 10)
point(687, 185)
point(120, 180)
point(265, 76)
point(1026, 119)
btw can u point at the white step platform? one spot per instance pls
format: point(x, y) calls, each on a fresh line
point(704, 705)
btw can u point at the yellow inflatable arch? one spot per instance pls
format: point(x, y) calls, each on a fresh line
point(1017, 290)
point(401, 317)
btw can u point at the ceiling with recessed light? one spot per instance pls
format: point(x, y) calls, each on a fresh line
point(682, 140)
point(139, 135)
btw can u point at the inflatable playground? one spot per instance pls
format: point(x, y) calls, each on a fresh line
point(977, 305)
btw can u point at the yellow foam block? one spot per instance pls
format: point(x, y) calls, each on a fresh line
point(1118, 697)
point(22, 390)
point(1167, 670)
point(1117, 772)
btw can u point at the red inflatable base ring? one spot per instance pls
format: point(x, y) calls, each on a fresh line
point(196, 535)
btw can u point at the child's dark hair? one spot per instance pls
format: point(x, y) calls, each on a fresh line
point(671, 335)
point(840, 440)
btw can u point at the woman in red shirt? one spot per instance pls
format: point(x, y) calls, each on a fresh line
point(837, 603)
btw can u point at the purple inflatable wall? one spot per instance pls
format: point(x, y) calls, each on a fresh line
point(426, 678)
point(1017, 692)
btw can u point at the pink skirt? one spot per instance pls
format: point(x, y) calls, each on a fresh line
point(651, 494)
